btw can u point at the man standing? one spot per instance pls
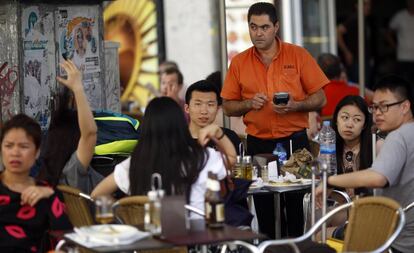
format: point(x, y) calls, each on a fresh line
point(393, 168)
point(254, 76)
point(202, 101)
point(401, 36)
point(268, 67)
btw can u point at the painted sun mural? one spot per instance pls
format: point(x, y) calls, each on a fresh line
point(133, 23)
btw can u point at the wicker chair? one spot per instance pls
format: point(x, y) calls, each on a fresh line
point(130, 210)
point(374, 223)
point(77, 206)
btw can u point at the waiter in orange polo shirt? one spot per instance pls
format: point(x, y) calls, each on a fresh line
point(272, 66)
point(256, 74)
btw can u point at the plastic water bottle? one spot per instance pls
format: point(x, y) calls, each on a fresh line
point(327, 153)
point(280, 151)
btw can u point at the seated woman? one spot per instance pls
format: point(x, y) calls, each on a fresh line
point(167, 147)
point(71, 138)
point(352, 123)
point(27, 207)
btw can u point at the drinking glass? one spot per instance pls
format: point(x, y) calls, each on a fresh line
point(103, 209)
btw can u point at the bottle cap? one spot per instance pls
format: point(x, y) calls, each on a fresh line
point(239, 159)
point(160, 193)
point(213, 185)
point(247, 159)
point(327, 123)
point(152, 195)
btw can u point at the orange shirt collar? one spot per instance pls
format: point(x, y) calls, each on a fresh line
point(279, 49)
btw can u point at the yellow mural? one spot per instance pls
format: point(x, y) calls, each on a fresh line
point(133, 23)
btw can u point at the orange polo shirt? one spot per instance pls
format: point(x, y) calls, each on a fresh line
point(292, 70)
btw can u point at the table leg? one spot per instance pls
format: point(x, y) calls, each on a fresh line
point(278, 234)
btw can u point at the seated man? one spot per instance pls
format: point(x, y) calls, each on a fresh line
point(392, 170)
point(202, 101)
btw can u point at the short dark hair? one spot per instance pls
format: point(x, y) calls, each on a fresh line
point(262, 8)
point(176, 71)
point(167, 64)
point(215, 79)
point(397, 85)
point(202, 86)
point(330, 65)
point(29, 125)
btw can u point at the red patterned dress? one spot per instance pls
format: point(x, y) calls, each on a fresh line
point(22, 228)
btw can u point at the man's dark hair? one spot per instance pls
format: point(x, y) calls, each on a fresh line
point(215, 79)
point(330, 65)
point(397, 85)
point(262, 8)
point(202, 86)
point(176, 71)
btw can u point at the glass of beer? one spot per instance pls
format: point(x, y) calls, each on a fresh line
point(103, 209)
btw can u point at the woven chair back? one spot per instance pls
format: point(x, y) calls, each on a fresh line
point(372, 220)
point(130, 210)
point(77, 206)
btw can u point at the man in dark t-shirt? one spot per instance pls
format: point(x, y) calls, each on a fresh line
point(202, 102)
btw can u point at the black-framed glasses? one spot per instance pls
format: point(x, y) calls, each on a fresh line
point(383, 108)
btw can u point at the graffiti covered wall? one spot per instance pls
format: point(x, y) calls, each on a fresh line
point(9, 60)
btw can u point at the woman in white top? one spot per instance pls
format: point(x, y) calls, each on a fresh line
point(167, 147)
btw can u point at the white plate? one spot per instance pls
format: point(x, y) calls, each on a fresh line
point(111, 231)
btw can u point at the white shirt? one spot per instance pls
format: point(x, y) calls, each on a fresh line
point(198, 189)
point(403, 23)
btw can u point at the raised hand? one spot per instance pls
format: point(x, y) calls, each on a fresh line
point(74, 79)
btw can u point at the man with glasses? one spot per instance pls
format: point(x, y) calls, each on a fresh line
point(393, 169)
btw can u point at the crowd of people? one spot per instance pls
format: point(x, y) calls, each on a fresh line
point(180, 141)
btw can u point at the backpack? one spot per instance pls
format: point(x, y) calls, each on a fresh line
point(118, 133)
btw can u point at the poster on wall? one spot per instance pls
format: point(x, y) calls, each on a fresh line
point(77, 35)
point(36, 89)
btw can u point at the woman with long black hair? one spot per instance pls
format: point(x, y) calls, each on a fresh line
point(167, 147)
point(352, 123)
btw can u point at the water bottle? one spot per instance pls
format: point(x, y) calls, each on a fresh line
point(280, 151)
point(327, 153)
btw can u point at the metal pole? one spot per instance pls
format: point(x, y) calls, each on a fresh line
point(324, 194)
point(313, 200)
point(361, 48)
point(223, 49)
point(332, 27)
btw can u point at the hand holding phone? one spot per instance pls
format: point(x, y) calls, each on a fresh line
point(280, 98)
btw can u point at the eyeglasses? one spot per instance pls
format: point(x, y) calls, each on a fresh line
point(383, 108)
